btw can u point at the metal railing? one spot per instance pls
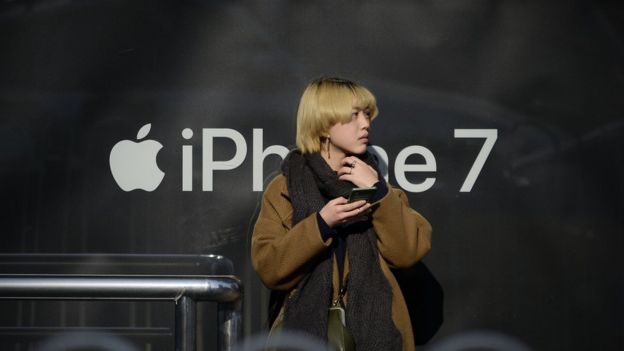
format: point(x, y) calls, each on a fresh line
point(185, 291)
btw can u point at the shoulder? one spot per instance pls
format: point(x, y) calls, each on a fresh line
point(394, 192)
point(277, 187)
point(275, 200)
point(276, 193)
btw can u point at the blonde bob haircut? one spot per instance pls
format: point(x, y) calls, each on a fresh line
point(325, 102)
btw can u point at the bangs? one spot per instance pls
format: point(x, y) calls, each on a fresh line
point(336, 103)
point(365, 100)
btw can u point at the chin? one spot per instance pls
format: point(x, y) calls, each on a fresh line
point(359, 151)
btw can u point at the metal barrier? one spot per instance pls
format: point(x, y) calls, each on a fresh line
point(185, 291)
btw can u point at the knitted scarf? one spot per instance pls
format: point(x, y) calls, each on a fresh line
point(310, 181)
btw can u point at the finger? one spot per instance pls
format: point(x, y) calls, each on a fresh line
point(345, 171)
point(357, 211)
point(366, 207)
point(350, 161)
point(339, 201)
point(353, 205)
point(349, 178)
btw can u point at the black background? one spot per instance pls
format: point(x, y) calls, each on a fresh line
point(533, 251)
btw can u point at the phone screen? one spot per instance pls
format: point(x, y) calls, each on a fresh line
point(362, 194)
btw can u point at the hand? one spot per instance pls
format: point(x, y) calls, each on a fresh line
point(339, 211)
point(357, 172)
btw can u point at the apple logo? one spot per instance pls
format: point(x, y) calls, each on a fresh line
point(133, 165)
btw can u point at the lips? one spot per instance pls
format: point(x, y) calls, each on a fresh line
point(364, 139)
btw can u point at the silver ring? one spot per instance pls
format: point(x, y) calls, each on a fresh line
point(353, 164)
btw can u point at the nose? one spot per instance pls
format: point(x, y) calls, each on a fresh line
point(364, 121)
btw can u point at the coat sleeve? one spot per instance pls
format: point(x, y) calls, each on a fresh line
point(403, 235)
point(280, 253)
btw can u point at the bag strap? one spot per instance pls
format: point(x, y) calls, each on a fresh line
point(342, 286)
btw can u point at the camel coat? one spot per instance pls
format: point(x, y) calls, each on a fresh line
point(281, 254)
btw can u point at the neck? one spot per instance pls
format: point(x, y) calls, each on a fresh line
point(333, 157)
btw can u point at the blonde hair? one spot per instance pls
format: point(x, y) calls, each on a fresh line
point(325, 102)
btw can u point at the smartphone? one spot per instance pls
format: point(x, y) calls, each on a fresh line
point(362, 194)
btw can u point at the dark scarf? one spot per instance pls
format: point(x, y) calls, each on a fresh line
point(369, 309)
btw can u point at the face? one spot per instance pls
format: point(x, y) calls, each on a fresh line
point(351, 138)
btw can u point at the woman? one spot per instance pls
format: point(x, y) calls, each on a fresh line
point(314, 249)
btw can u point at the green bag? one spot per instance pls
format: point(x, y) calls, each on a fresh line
point(338, 336)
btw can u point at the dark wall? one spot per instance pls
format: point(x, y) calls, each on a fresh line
point(532, 250)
